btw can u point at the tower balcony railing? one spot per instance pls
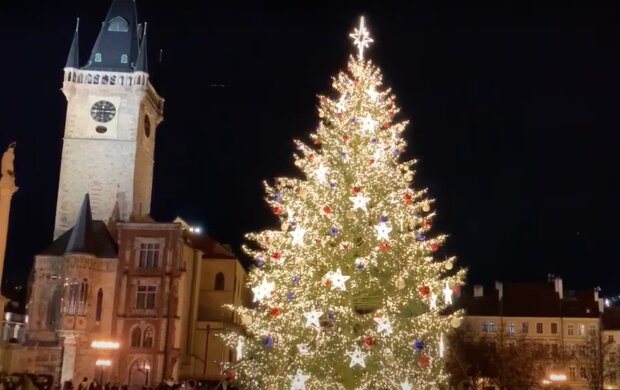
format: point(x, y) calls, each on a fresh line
point(96, 77)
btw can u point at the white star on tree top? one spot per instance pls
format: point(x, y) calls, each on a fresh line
point(337, 279)
point(298, 236)
point(312, 318)
point(357, 357)
point(263, 290)
point(405, 385)
point(359, 201)
point(383, 325)
point(361, 38)
point(298, 380)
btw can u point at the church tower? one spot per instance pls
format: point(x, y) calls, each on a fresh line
point(112, 114)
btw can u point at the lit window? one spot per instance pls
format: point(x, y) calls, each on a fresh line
point(124, 59)
point(525, 327)
point(118, 24)
point(554, 328)
point(539, 327)
point(511, 327)
point(572, 372)
point(145, 297)
point(97, 57)
point(582, 330)
point(570, 330)
point(592, 330)
point(149, 255)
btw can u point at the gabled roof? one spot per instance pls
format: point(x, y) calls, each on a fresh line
point(117, 40)
point(86, 236)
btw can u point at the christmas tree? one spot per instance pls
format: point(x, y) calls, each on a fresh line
point(349, 293)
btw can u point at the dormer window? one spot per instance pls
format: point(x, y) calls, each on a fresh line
point(124, 59)
point(97, 57)
point(118, 24)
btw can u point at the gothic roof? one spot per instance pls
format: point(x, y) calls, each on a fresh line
point(116, 48)
point(73, 59)
point(86, 236)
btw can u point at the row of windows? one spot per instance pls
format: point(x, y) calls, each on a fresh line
point(76, 301)
point(142, 339)
point(99, 58)
point(490, 326)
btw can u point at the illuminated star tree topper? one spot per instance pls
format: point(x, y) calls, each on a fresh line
point(361, 38)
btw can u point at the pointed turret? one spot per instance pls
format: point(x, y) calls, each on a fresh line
point(142, 62)
point(116, 48)
point(82, 238)
point(73, 59)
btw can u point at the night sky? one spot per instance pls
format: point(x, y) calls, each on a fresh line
point(513, 110)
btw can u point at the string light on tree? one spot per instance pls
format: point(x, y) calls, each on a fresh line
point(352, 273)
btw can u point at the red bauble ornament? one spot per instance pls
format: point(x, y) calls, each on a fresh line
point(230, 375)
point(317, 241)
point(368, 341)
point(310, 157)
point(424, 290)
point(407, 198)
point(276, 256)
point(326, 209)
point(316, 141)
point(386, 125)
point(377, 315)
point(345, 138)
point(327, 283)
point(423, 361)
point(275, 311)
point(383, 246)
point(434, 246)
point(391, 113)
point(277, 210)
point(371, 161)
point(356, 189)
point(456, 288)
point(339, 115)
point(426, 224)
point(344, 246)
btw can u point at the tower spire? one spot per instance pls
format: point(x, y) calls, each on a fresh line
point(116, 48)
point(142, 62)
point(82, 237)
point(73, 59)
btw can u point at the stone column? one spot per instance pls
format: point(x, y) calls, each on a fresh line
point(68, 359)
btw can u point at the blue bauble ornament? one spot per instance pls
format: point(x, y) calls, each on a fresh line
point(418, 345)
point(296, 279)
point(420, 236)
point(267, 341)
point(277, 196)
point(290, 296)
point(259, 261)
point(383, 218)
point(332, 184)
point(331, 316)
point(333, 231)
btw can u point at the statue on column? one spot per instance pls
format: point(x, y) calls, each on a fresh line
point(6, 166)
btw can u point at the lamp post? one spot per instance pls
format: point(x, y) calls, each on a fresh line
point(102, 364)
point(104, 345)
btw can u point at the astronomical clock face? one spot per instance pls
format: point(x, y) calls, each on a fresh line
point(103, 111)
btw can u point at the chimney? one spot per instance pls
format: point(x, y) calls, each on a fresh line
point(559, 287)
point(596, 291)
point(499, 286)
point(478, 290)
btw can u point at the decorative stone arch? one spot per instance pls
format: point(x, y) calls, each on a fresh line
point(148, 336)
point(219, 282)
point(139, 372)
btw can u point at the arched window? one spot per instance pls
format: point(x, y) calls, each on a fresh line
point(136, 337)
point(147, 342)
point(99, 305)
point(97, 57)
point(124, 59)
point(118, 24)
point(219, 281)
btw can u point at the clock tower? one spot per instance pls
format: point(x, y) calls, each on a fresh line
point(112, 115)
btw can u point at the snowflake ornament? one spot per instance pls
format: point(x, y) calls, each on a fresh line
point(383, 325)
point(298, 236)
point(263, 290)
point(359, 202)
point(405, 385)
point(383, 231)
point(312, 319)
point(337, 279)
point(321, 173)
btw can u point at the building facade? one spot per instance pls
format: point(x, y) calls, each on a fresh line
point(558, 321)
point(117, 296)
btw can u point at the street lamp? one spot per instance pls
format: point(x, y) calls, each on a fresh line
point(146, 368)
point(102, 364)
point(104, 345)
